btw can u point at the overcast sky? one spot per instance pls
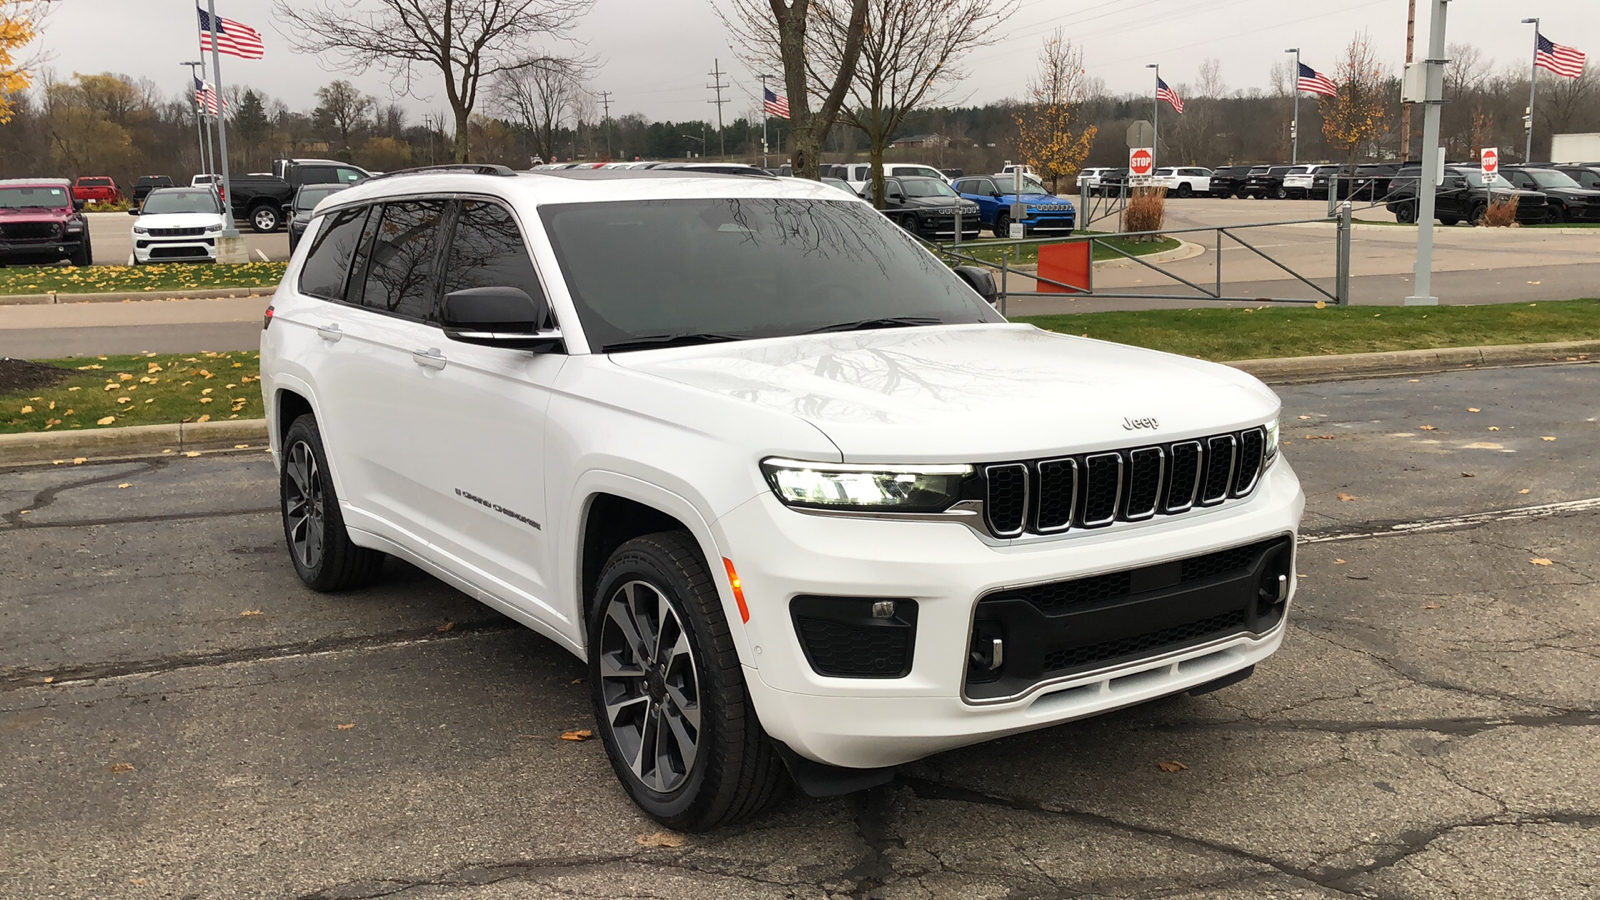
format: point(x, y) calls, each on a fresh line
point(658, 54)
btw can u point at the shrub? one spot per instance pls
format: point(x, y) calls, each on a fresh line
point(122, 205)
point(1147, 209)
point(1501, 213)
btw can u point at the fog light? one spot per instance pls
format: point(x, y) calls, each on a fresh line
point(883, 609)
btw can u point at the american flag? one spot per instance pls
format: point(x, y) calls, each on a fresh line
point(1168, 94)
point(232, 38)
point(774, 105)
point(1314, 82)
point(1563, 61)
point(205, 95)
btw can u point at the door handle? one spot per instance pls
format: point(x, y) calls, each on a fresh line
point(430, 358)
point(330, 333)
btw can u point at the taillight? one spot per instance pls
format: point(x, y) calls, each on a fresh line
point(266, 318)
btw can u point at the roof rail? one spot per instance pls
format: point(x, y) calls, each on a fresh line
point(464, 168)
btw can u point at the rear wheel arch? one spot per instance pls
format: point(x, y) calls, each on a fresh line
point(289, 405)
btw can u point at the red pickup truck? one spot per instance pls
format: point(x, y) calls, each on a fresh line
point(96, 189)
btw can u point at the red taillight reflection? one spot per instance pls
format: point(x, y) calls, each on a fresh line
point(266, 318)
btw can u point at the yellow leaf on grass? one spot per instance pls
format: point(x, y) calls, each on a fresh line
point(124, 399)
point(581, 734)
point(205, 399)
point(660, 839)
point(205, 418)
point(75, 388)
point(1173, 766)
point(1540, 561)
point(124, 376)
point(206, 391)
point(113, 387)
point(105, 420)
point(1346, 498)
point(26, 410)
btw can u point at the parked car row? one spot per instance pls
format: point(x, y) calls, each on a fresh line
point(1544, 194)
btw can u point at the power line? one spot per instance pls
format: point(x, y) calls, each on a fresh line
point(716, 84)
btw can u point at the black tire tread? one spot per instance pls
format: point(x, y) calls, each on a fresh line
point(345, 566)
point(745, 778)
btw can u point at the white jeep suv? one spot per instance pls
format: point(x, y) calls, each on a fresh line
point(177, 225)
point(799, 496)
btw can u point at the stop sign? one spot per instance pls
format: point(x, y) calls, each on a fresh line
point(1141, 161)
point(1491, 161)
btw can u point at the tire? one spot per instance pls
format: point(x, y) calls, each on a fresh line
point(1406, 213)
point(264, 219)
point(84, 256)
point(1555, 214)
point(1475, 216)
point(653, 588)
point(1448, 221)
point(1184, 190)
point(1281, 194)
point(313, 525)
point(1002, 224)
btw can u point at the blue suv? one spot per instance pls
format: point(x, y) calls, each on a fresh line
point(1047, 213)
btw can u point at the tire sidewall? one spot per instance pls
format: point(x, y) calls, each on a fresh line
point(639, 560)
point(305, 429)
point(256, 214)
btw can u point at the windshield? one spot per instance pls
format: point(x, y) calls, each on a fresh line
point(162, 202)
point(47, 197)
point(1546, 178)
point(927, 188)
point(1476, 178)
point(1030, 185)
point(310, 197)
point(745, 268)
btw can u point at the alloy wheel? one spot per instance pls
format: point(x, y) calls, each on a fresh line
point(303, 506)
point(650, 686)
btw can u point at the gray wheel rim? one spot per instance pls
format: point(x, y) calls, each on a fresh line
point(302, 505)
point(650, 685)
point(265, 220)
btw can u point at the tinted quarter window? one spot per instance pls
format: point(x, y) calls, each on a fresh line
point(316, 175)
point(329, 260)
point(346, 176)
point(400, 275)
point(487, 251)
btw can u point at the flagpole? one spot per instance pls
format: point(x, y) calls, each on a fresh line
point(1533, 87)
point(1155, 149)
point(199, 114)
point(764, 117)
point(229, 230)
point(1294, 80)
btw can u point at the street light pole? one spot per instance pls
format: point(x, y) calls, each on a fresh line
point(1294, 82)
point(1533, 87)
point(1428, 178)
point(199, 117)
point(1155, 151)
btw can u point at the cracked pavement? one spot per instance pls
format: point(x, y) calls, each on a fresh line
point(180, 718)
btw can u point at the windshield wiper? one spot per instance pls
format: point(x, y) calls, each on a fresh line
point(681, 339)
point(864, 324)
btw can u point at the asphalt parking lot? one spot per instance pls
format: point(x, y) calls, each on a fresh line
point(181, 718)
point(112, 237)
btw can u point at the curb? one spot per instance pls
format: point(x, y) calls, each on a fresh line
point(1413, 362)
point(124, 296)
point(133, 439)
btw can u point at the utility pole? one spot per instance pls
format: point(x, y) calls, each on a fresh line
point(605, 120)
point(1294, 130)
point(1426, 86)
point(1405, 108)
point(1533, 87)
point(717, 85)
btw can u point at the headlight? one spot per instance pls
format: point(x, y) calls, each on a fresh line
point(1270, 454)
point(210, 228)
point(140, 229)
point(865, 488)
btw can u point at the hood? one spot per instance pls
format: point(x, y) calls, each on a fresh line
point(1032, 198)
point(1589, 195)
point(36, 214)
point(973, 393)
point(936, 203)
point(179, 220)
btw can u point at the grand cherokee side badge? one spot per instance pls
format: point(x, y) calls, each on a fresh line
point(1135, 424)
point(486, 504)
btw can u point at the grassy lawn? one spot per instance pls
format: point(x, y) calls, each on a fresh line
point(154, 389)
point(1029, 253)
point(168, 277)
point(1223, 334)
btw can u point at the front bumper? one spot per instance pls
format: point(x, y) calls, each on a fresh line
point(60, 247)
point(873, 722)
point(186, 249)
point(1050, 222)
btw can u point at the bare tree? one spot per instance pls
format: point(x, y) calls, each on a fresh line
point(775, 31)
point(540, 97)
point(908, 57)
point(342, 107)
point(463, 41)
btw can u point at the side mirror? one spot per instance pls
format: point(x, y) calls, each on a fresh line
point(498, 316)
point(132, 212)
point(78, 205)
point(980, 280)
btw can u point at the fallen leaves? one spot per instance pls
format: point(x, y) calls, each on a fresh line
point(1319, 437)
point(105, 420)
point(124, 486)
point(1427, 428)
point(1468, 475)
point(1540, 561)
point(79, 460)
point(1524, 491)
point(204, 418)
point(347, 726)
point(26, 410)
point(660, 839)
point(1338, 562)
point(1494, 427)
point(580, 734)
point(250, 612)
point(1172, 766)
point(445, 627)
point(192, 453)
point(1432, 606)
point(1473, 409)
point(1547, 438)
point(1346, 498)
point(121, 767)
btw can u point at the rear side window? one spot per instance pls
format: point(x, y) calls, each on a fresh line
point(328, 263)
point(400, 274)
point(487, 251)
